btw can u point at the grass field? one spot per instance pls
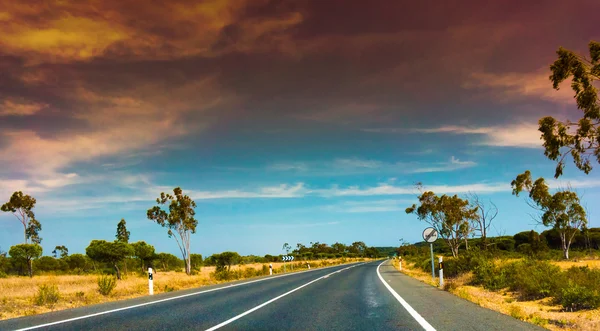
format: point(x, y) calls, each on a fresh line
point(541, 312)
point(17, 293)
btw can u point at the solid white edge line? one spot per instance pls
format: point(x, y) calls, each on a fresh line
point(274, 299)
point(167, 299)
point(405, 304)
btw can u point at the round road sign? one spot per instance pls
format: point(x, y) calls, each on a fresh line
point(430, 235)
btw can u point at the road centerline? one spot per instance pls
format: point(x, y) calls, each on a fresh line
point(170, 299)
point(405, 304)
point(220, 325)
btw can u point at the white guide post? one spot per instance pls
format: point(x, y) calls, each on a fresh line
point(150, 282)
point(441, 272)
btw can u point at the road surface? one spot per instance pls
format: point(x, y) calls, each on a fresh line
point(348, 297)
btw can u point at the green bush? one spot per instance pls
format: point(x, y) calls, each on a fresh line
point(106, 284)
point(3, 274)
point(47, 295)
point(532, 279)
point(488, 275)
point(580, 289)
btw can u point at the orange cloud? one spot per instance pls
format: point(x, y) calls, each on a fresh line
point(522, 85)
point(16, 108)
point(63, 31)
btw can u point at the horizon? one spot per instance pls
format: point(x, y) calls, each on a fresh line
point(285, 121)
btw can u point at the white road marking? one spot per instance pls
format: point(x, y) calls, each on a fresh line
point(273, 300)
point(167, 299)
point(405, 304)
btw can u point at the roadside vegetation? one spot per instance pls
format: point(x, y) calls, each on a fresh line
point(550, 278)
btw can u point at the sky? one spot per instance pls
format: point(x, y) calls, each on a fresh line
point(286, 121)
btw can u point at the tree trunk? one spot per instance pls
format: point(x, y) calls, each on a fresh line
point(30, 267)
point(117, 270)
point(484, 242)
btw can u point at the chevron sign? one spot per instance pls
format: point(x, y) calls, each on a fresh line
point(288, 258)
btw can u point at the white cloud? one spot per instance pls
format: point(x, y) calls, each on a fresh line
point(348, 166)
point(356, 163)
point(525, 135)
point(368, 206)
point(280, 191)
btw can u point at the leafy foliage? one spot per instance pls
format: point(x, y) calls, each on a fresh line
point(106, 284)
point(22, 206)
point(60, 250)
point(25, 253)
point(109, 252)
point(449, 215)
point(122, 233)
point(180, 219)
point(561, 210)
point(47, 295)
point(143, 252)
point(583, 142)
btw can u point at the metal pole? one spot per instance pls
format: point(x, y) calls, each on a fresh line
point(432, 266)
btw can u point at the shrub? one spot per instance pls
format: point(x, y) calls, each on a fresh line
point(487, 274)
point(106, 284)
point(532, 279)
point(3, 274)
point(168, 288)
point(580, 289)
point(47, 295)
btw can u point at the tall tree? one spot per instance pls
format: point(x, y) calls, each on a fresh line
point(26, 253)
point(180, 220)
point(122, 233)
point(22, 206)
point(109, 252)
point(486, 213)
point(561, 210)
point(286, 247)
point(449, 215)
point(580, 139)
point(60, 250)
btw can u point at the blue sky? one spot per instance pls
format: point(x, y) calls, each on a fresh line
point(285, 123)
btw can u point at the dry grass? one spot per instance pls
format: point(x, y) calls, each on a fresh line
point(578, 263)
point(17, 293)
point(541, 312)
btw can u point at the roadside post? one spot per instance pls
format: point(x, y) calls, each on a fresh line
point(400, 262)
point(270, 268)
point(441, 272)
point(430, 235)
point(308, 264)
point(150, 282)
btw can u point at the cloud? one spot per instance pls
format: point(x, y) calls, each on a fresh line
point(297, 190)
point(367, 206)
point(524, 135)
point(132, 29)
point(350, 166)
point(15, 108)
point(516, 86)
point(387, 189)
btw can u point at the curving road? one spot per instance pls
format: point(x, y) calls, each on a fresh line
point(361, 296)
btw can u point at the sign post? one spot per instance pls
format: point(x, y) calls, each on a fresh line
point(430, 235)
point(287, 258)
point(270, 268)
point(150, 282)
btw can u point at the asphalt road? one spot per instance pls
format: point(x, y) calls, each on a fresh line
point(349, 297)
